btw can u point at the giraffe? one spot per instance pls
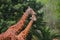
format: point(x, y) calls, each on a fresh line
point(25, 32)
point(10, 34)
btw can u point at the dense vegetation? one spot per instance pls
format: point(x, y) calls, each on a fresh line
point(12, 10)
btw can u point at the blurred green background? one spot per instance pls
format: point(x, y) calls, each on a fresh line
point(47, 26)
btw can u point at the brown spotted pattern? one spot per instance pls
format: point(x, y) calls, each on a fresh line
point(11, 33)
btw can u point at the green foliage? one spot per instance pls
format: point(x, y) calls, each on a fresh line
point(12, 10)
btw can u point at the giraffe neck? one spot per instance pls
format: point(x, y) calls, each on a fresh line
point(25, 32)
point(27, 29)
point(17, 27)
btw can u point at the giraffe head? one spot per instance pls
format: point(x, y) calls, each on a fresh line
point(33, 18)
point(30, 11)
